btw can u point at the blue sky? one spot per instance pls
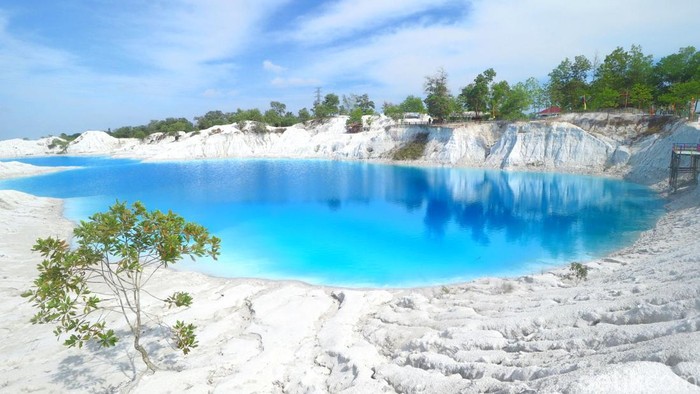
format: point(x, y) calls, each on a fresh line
point(75, 65)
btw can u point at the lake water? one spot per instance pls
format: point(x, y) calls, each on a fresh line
point(360, 224)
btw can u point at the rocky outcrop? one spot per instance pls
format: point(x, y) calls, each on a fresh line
point(625, 127)
point(97, 142)
point(22, 147)
point(632, 145)
point(549, 146)
point(651, 155)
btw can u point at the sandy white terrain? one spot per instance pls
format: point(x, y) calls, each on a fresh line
point(633, 326)
point(14, 169)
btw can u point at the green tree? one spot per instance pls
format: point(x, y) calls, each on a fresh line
point(289, 119)
point(568, 83)
point(499, 93)
point(641, 95)
point(360, 105)
point(605, 98)
point(639, 68)
point(354, 122)
point(536, 94)
point(276, 115)
point(475, 96)
point(672, 72)
point(272, 118)
point(252, 114)
point(348, 104)
point(212, 118)
point(353, 101)
point(365, 104)
point(328, 107)
point(439, 102)
point(682, 97)
point(139, 133)
point(303, 115)
point(517, 100)
point(117, 253)
point(679, 67)
point(395, 112)
point(412, 104)
point(621, 70)
point(170, 126)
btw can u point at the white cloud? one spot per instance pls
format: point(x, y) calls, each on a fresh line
point(188, 49)
point(518, 39)
point(183, 48)
point(294, 82)
point(18, 56)
point(218, 93)
point(189, 34)
point(272, 67)
point(346, 17)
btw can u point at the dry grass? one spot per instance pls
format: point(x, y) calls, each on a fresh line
point(413, 150)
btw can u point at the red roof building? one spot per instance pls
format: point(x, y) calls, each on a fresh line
point(551, 111)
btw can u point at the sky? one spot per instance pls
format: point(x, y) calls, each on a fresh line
point(74, 65)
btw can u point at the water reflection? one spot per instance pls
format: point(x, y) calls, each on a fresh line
point(297, 211)
point(555, 207)
point(480, 201)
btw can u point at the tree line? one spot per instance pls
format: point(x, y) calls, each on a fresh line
point(277, 115)
point(623, 79)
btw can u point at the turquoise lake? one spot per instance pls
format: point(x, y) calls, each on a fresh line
point(358, 224)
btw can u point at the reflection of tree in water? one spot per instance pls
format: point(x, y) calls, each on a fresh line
point(559, 209)
point(437, 214)
point(472, 216)
point(607, 223)
point(557, 227)
point(518, 205)
point(409, 187)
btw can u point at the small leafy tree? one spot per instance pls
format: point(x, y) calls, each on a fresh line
point(568, 83)
point(117, 253)
point(578, 271)
point(304, 115)
point(354, 122)
point(439, 100)
point(211, 118)
point(412, 104)
point(640, 95)
point(393, 111)
point(327, 108)
point(475, 96)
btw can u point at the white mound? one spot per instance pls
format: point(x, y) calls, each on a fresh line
point(18, 147)
point(13, 169)
point(95, 142)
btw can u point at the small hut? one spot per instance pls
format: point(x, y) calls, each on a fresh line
point(549, 112)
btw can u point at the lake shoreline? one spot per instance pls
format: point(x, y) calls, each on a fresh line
point(418, 246)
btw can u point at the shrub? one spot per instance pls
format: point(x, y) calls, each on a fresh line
point(59, 143)
point(579, 271)
point(412, 150)
point(259, 128)
point(116, 255)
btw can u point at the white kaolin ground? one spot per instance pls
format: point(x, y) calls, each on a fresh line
point(633, 326)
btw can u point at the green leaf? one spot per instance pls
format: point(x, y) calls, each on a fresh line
point(178, 299)
point(111, 249)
